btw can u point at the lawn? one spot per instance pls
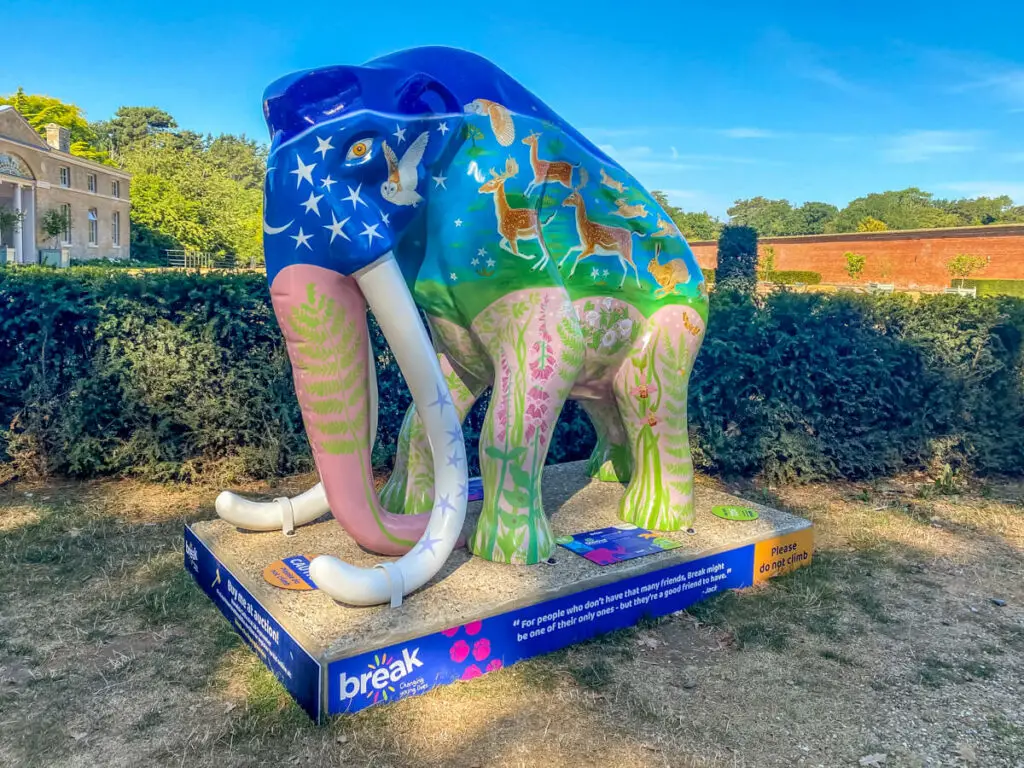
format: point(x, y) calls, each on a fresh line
point(894, 643)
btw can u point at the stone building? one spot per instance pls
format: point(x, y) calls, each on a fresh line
point(39, 174)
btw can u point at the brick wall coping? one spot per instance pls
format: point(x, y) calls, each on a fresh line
point(988, 230)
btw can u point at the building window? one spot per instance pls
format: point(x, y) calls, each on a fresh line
point(94, 228)
point(115, 188)
point(65, 235)
point(91, 182)
point(115, 228)
point(65, 176)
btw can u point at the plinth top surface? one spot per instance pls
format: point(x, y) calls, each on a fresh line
point(469, 588)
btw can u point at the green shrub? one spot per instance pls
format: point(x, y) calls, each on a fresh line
point(737, 257)
point(171, 374)
point(792, 276)
point(996, 287)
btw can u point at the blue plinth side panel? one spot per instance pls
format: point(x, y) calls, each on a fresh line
point(299, 672)
point(469, 650)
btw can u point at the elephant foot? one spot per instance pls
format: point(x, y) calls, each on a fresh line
point(656, 514)
point(609, 463)
point(516, 538)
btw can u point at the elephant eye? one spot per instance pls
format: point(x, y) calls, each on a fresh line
point(360, 151)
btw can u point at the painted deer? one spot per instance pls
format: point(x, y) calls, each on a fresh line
point(627, 211)
point(668, 275)
point(599, 238)
point(611, 183)
point(544, 170)
point(665, 229)
point(515, 224)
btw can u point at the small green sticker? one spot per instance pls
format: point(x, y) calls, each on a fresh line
point(742, 514)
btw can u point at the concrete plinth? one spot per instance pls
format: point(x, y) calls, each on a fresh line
point(475, 616)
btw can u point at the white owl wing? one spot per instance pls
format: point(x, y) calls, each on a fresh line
point(407, 167)
point(389, 155)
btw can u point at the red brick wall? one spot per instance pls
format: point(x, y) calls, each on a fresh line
point(914, 259)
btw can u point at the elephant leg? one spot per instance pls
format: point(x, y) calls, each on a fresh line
point(410, 489)
point(650, 389)
point(611, 459)
point(535, 343)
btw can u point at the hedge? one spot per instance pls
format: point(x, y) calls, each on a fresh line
point(995, 287)
point(172, 375)
point(791, 277)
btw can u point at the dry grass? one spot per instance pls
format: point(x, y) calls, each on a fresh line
point(889, 643)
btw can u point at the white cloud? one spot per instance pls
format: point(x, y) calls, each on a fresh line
point(644, 158)
point(919, 146)
point(748, 133)
point(807, 61)
point(1000, 80)
point(1015, 189)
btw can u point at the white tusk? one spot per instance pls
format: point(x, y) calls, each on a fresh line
point(285, 513)
point(388, 296)
point(280, 514)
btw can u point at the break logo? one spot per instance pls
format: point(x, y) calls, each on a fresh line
point(377, 682)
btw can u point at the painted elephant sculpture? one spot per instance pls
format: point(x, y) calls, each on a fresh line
point(431, 180)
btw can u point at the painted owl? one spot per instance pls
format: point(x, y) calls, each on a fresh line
point(403, 175)
point(501, 120)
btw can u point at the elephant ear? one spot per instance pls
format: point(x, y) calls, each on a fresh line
point(302, 99)
point(422, 94)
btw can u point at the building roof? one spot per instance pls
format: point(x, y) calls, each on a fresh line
point(28, 137)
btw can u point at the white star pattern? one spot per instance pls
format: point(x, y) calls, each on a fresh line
point(453, 277)
point(399, 134)
point(323, 146)
point(605, 273)
point(595, 273)
point(313, 203)
point(439, 182)
point(475, 263)
point(443, 128)
point(490, 263)
point(327, 183)
point(303, 172)
point(386, 217)
point(335, 227)
point(458, 222)
point(370, 230)
point(353, 196)
point(481, 252)
point(302, 239)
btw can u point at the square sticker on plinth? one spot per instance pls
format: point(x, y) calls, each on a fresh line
point(605, 546)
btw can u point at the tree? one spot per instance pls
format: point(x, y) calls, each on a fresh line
point(54, 222)
point(963, 265)
point(41, 110)
point(854, 264)
point(184, 196)
point(813, 218)
point(737, 258)
point(909, 208)
point(241, 158)
point(983, 210)
point(770, 218)
point(10, 219)
point(766, 263)
point(697, 225)
point(131, 124)
point(871, 224)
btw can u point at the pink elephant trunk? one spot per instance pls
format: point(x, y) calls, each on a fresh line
point(323, 317)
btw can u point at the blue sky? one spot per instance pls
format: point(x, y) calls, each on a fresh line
point(710, 102)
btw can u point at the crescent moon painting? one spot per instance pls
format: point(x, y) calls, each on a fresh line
point(276, 230)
